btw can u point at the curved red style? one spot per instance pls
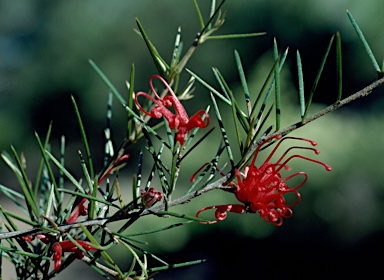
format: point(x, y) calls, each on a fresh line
point(262, 189)
point(178, 120)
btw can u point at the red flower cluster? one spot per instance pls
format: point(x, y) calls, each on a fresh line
point(68, 246)
point(150, 197)
point(263, 189)
point(178, 120)
point(80, 210)
point(59, 248)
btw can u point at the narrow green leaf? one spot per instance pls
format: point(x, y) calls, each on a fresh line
point(156, 230)
point(301, 85)
point(186, 92)
point(49, 169)
point(222, 129)
point(66, 173)
point(261, 123)
point(211, 165)
point(208, 27)
point(195, 144)
point(236, 122)
point(277, 86)
point(315, 83)
point(178, 215)
point(84, 138)
point(283, 58)
point(14, 196)
point(243, 81)
point(382, 67)
point(225, 88)
point(150, 177)
point(235, 36)
point(12, 226)
point(364, 41)
point(66, 214)
point(170, 136)
point(160, 63)
point(49, 203)
point(174, 172)
point(108, 146)
point(176, 54)
point(136, 187)
point(90, 197)
point(145, 252)
point(246, 156)
point(108, 83)
point(92, 189)
point(148, 128)
point(23, 253)
point(265, 89)
point(212, 12)
point(21, 219)
point(41, 166)
point(11, 164)
point(199, 14)
point(136, 257)
point(131, 96)
point(10, 193)
point(339, 67)
point(214, 91)
point(62, 161)
point(102, 249)
point(29, 199)
point(259, 118)
point(159, 164)
point(167, 267)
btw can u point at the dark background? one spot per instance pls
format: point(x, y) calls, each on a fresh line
point(337, 229)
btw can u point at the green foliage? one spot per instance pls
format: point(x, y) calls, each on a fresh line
point(48, 204)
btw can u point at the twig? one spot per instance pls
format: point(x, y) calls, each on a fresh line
point(215, 185)
point(361, 93)
point(102, 267)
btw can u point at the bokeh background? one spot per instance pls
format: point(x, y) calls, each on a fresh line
point(336, 231)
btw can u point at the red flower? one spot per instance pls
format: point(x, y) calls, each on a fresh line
point(150, 197)
point(67, 246)
point(262, 189)
point(80, 210)
point(178, 120)
point(121, 161)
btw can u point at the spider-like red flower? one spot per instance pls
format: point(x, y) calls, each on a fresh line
point(178, 120)
point(263, 189)
point(67, 246)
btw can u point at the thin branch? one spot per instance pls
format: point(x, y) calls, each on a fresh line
point(361, 93)
point(215, 185)
point(102, 267)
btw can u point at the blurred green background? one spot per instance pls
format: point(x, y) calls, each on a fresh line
point(44, 51)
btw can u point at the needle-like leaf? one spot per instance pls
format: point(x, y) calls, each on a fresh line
point(315, 83)
point(301, 85)
point(364, 41)
point(339, 67)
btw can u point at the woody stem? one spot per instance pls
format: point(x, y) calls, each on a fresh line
point(217, 184)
